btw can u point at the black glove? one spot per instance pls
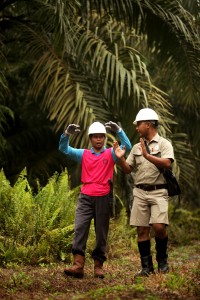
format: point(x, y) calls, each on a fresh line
point(112, 126)
point(72, 128)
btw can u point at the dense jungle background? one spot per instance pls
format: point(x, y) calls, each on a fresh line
point(80, 61)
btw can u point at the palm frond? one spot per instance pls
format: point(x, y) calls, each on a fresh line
point(192, 6)
point(102, 60)
point(171, 34)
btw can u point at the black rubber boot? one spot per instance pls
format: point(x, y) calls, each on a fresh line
point(163, 265)
point(147, 266)
point(161, 254)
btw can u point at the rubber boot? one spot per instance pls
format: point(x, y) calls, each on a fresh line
point(147, 266)
point(77, 269)
point(98, 269)
point(161, 254)
point(162, 265)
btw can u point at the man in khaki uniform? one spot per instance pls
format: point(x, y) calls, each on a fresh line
point(150, 205)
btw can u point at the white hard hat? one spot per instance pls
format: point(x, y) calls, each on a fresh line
point(146, 114)
point(96, 127)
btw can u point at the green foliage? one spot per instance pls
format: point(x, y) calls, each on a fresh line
point(35, 228)
point(180, 282)
point(175, 281)
point(18, 279)
point(38, 228)
point(101, 293)
point(184, 225)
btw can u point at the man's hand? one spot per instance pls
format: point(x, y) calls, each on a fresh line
point(118, 151)
point(143, 148)
point(72, 128)
point(112, 126)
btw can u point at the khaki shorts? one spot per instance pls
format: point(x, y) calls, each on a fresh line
point(149, 207)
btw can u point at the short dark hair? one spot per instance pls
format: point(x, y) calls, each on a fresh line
point(154, 123)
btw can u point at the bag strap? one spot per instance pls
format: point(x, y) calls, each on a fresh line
point(161, 170)
point(147, 147)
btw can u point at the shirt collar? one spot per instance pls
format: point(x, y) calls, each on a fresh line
point(154, 139)
point(93, 152)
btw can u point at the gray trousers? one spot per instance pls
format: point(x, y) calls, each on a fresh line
point(90, 207)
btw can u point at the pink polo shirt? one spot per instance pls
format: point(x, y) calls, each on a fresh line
point(96, 172)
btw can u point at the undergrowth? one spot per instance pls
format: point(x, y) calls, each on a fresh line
point(38, 228)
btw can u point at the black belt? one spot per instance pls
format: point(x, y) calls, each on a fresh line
point(147, 187)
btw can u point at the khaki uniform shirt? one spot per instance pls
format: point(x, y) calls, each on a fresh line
point(145, 171)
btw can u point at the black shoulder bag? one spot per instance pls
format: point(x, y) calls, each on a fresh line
point(172, 183)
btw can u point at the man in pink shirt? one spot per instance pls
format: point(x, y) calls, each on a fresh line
point(94, 199)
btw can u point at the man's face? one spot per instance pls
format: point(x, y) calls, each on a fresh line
point(97, 140)
point(142, 128)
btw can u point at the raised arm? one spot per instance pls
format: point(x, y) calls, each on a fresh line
point(159, 162)
point(120, 133)
point(72, 153)
point(119, 152)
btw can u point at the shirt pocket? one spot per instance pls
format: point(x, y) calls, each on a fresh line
point(138, 157)
point(156, 153)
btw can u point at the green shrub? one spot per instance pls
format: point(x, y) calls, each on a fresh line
point(184, 225)
point(35, 228)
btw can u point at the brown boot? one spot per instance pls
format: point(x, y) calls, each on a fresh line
point(77, 268)
point(98, 269)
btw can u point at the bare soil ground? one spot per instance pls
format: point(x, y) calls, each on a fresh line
point(49, 282)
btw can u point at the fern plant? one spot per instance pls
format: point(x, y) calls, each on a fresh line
point(37, 227)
